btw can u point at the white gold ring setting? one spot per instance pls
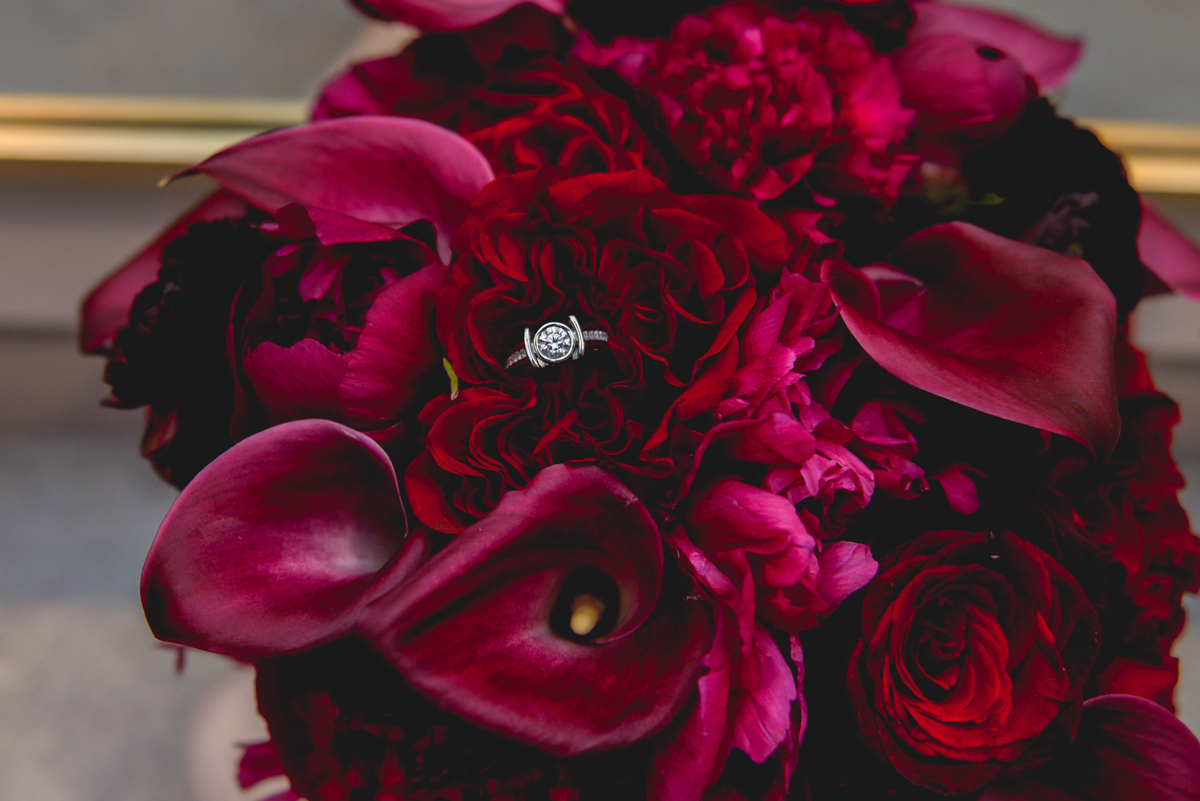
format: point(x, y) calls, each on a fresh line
point(555, 343)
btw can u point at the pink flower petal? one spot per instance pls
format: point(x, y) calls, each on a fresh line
point(1169, 254)
point(472, 629)
point(1006, 328)
point(274, 547)
point(763, 715)
point(1127, 748)
point(846, 567)
point(106, 308)
point(397, 348)
point(387, 170)
point(1048, 59)
point(447, 15)
point(295, 382)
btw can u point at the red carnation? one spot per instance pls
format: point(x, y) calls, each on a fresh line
point(669, 279)
point(757, 101)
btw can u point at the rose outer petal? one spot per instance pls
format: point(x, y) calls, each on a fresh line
point(471, 629)
point(387, 170)
point(106, 308)
point(275, 546)
point(1009, 329)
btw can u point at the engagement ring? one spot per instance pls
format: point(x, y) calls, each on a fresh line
point(554, 343)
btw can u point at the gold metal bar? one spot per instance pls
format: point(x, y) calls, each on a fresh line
point(152, 111)
point(115, 144)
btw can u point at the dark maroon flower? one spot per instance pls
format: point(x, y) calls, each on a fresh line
point(975, 650)
point(668, 278)
point(757, 101)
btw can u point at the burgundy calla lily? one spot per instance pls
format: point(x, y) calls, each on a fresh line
point(1127, 748)
point(447, 15)
point(274, 547)
point(1170, 255)
point(487, 627)
point(1009, 329)
point(1048, 59)
point(106, 308)
point(386, 170)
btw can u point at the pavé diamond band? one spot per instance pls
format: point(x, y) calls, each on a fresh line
point(554, 343)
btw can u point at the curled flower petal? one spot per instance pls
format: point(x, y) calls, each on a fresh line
point(387, 170)
point(1170, 255)
point(295, 382)
point(1047, 59)
point(397, 347)
point(1127, 748)
point(275, 546)
point(447, 15)
point(475, 629)
point(106, 308)
point(1009, 329)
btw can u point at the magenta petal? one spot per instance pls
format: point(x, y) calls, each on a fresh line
point(387, 170)
point(1127, 748)
point(763, 716)
point(295, 382)
point(397, 348)
point(274, 546)
point(846, 567)
point(106, 308)
point(1168, 254)
point(472, 630)
point(1048, 59)
point(447, 15)
point(1010, 329)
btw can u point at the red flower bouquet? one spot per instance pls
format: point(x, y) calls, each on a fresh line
point(714, 401)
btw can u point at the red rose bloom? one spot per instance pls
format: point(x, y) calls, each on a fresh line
point(974, 654)
point(757, 101)
point(669, 279)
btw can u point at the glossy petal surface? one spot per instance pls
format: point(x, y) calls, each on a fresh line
point(1169, 254)
point(274, 547)
point(472, 629)
point(1009, 329)
point(387, 170)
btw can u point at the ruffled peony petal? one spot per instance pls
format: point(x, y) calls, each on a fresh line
point(387, 170)
point(106, 308)
point(846, 567)
point(274, 547)
point(763, 715)
point(1006, 328)
point(397, 348)
point(480, 628)
point(1047, 59)
point(1127, 748)
point(447, 15)
point(295, 382)
point(1170, 255)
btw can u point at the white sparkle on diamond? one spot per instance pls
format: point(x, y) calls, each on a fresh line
point(554, 343)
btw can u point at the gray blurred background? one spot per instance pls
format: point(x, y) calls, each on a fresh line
point(90, 708)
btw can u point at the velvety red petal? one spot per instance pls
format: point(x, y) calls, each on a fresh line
point(274, 547)
point(106, 308)
point(447, 15)
point(472, 629)
point(1169, 254)
point(295, 382)
point(397, 348)
point(1127, 748)
point(1010, 329)
point(387, 170)
point(1048, 59)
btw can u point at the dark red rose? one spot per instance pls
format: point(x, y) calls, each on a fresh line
point(668, 278)
point(975, 650)
point(758, 101)
point(507, 90)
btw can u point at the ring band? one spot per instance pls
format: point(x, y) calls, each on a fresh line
point(554, 343)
